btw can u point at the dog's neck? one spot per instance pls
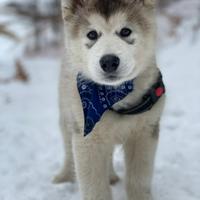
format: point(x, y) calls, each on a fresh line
point(142, 83)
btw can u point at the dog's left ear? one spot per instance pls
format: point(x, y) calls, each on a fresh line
point(149, 2)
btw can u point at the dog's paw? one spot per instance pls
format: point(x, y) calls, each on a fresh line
point(63, 178)
point(114, 179)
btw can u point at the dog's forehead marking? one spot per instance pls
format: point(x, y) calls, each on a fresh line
point(116, 21)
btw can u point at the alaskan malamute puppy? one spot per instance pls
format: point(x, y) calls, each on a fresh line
point(111, 92)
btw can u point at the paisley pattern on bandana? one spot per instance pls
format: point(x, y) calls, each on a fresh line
point(97, 99)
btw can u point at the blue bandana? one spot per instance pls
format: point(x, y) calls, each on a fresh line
point(96, 99)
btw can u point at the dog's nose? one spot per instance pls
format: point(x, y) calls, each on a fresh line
point(109, 63)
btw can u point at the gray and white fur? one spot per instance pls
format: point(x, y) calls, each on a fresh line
point(89, 159)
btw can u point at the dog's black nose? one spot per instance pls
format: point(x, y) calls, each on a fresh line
point(109, 63)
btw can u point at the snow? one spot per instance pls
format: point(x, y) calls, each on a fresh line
point(31, 150)
point(177, 169)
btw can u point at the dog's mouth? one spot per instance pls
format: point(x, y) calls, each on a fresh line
point(111, 79)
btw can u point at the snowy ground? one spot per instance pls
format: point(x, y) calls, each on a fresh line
point(30, 143)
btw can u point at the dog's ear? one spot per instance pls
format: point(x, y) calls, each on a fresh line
point(149, 2)
point(79, 3)
point(66, 11)
point(69, 7)
point(69, 3)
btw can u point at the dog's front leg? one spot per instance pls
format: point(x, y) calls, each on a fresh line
point(139, 157)
point(92, 167)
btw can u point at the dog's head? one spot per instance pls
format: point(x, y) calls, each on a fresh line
point(110, 41)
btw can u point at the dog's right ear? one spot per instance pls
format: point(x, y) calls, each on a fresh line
point(149, 2)
point(74, 2)
point(69, 7)
point(66, 11)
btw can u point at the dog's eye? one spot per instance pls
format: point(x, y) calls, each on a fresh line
point(125, 32)
point(92, 35)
